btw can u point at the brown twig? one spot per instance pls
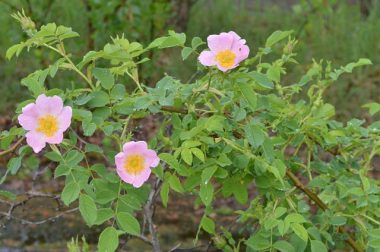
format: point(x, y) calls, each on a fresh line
point(30, 195)
point(13, 147)
point(149, 212)
point(174, 109)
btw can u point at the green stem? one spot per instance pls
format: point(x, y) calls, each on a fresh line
point(136, 81)
point(73, 66)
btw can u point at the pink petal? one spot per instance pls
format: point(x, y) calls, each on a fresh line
point(133, 147)
point(220, 42)
point(234, 35)
point(119, 160)
point(28, 118)
point(207, 58)
point(241, 51)
point(57, 138)
point(141, 178)
point(35, 140)
point(64, 118)
point(125, 176)
point(224, 69)
point(49, 105)
point(151, 158)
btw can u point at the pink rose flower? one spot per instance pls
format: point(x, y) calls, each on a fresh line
point(45, 121)
point(227, 50)
point(133, 164)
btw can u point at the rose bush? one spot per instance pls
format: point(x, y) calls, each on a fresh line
point(237, 129)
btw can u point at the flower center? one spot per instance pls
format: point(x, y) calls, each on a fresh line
point(47, 125)
point(225, 58)
point(134, 164)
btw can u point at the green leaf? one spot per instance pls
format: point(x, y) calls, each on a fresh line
point(89, 128)
point(70, 193)
point(284, 246)
point(208, 225)
point(14, 165)
point(103, 215)
point(88, 210)
point(274, 73)
point(240, 192)
point(82, 114)
point(207, 173)
point(128, 223)
point(61, 170)
point(15, 49)
point(185, 53)
point(99, 99)
point(258, 242)
point(268, 149)
point(295, 218)
point(53, 156)
point(108, 240)
point(198, 153)
point(190, 144)
point(206, 193)
point(338, 220)
point(373, 107)
point(118, 92)
point(35, 82)
point(164, 193)
point(73, 157)
point(280, 211)
point(374, 243)
point(262, 80)
point(254, 135)
point(187, 156)
point(300, 231)
point(276, 37)
point(248, 93)
point(8, 195)
point(215, 123)
point(175, 183)
point(173, 163)
point(174, 39)
point(196, 41)
point(317, 246)
point(105, 77)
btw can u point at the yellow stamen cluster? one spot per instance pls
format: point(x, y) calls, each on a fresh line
point(134, 164)
point(226, 58)
point(47, 125)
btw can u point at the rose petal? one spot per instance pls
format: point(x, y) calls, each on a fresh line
point(35, 140)
point(151, 158)
point(133, 147)
point(64, 118)
point(49, 105)
point(141, 178)
point(128, 178)
point(241, 51)
point(220, 42)
point(28, 118)
point(57, 138)
point(207, 58)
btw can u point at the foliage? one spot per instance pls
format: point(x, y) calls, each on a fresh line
point(221, 136)
point(320, 25)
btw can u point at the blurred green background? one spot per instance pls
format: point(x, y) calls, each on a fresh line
point(339, 31)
